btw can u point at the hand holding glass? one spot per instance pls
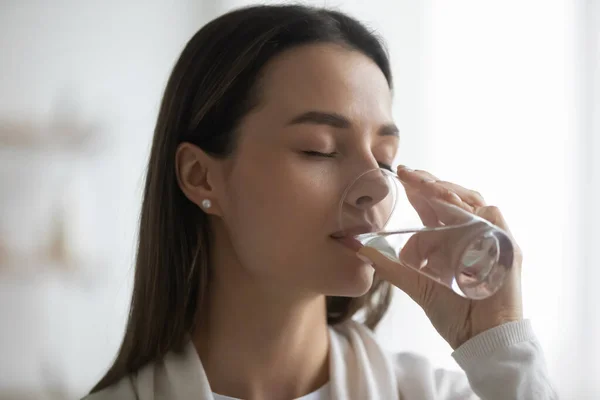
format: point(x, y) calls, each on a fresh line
point(434, 237)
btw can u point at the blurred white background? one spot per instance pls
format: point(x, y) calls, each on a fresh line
point(502, 97)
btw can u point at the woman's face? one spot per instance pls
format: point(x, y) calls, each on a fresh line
point(324, 117)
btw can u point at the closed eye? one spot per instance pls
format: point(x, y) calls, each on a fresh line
point(319, 154)
point(334, 153)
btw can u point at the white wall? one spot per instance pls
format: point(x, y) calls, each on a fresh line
point(75, 66)
point(507, 116)
point(589, 181)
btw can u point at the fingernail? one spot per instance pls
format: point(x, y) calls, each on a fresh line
point(405, 168)
point(427, 180)
point(364, 258)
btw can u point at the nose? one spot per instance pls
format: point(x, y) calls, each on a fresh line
point(368, 190)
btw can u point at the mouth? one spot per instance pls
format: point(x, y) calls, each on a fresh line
point(354, 231)
point(347, 237)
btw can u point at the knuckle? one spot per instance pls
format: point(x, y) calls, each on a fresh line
point(518, 254)
point(426, 174)
point(444, 191)
point(491, 214)
point(492, 211)
point(478, 196)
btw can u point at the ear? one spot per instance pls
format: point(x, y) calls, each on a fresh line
point(195, 172)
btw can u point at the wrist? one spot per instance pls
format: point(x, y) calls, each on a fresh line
point(483, 326)
point(488, 342)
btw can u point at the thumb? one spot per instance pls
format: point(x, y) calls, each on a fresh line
point(416, 285)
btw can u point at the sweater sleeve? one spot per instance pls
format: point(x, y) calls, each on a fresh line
point(503, 363)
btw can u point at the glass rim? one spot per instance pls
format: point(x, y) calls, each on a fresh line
point(396, 193)
point(387, 175)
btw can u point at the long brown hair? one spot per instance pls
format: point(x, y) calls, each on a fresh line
point(211, 88)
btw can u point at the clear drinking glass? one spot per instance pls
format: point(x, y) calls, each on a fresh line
point(436, 238)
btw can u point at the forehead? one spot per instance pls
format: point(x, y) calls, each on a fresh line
point(326, 77)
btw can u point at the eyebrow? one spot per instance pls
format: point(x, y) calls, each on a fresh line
point(338, 121)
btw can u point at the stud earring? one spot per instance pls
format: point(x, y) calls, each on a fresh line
point(206, 203)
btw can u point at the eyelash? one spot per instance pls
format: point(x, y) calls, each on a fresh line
point(319, 154)
point(333, 154)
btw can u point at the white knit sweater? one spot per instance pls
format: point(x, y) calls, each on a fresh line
point(500, 364)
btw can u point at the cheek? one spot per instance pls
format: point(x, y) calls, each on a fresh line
point(280, 214)
point(279, 221)
point(278, 190)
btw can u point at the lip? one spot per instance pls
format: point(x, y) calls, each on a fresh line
point(347, 237)
point(349, 242)
point(354, 231)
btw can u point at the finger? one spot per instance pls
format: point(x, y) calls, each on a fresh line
point(450, 213)
point(425, 183)
point(436, 204)
point(413, 177)
point(419, 190)
point(419, 247)
point(471, 199)
point(427, 252)
point(422, 289)
point(439, 268)
point(444, 193)
point(423, 208)
point(492, 214)
point(406, 279)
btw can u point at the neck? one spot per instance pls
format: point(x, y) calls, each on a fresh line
point(255, 343)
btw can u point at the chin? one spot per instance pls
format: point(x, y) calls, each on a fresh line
point(352, 282)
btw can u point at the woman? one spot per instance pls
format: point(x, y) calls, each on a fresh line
point(241, 291)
